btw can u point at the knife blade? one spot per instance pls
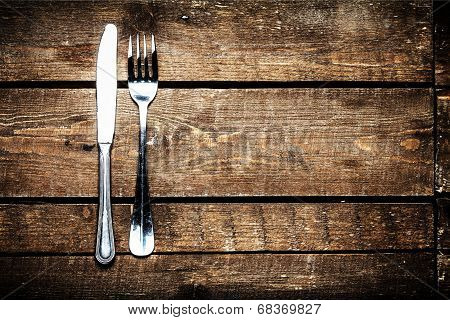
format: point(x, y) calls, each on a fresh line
point(106, 116)
point(107, 84)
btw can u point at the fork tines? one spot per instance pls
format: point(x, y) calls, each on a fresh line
point(131, 74)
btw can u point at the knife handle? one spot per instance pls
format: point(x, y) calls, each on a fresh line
point(105, 250)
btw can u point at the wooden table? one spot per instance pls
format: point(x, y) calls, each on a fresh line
point(297, 149)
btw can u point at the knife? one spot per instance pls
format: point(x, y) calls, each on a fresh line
point(106, 116)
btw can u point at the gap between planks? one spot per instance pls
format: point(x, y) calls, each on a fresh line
point(228, 199)
point(222, 84)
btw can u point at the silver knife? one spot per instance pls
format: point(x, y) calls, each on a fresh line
point(106, 116)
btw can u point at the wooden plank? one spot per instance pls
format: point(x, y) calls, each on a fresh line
point(246, 40)
point(441, 43)
point(443, 223)
point(443, 263)
point(443, 257)
point(220, 276)
point(443, 141)
point(214, 142)
point(220, 227)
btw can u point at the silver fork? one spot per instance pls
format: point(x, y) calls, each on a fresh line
point(143, 88)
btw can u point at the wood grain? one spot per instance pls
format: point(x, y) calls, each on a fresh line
point(224, 227)
point(220, 142)
point(443, 265)
point(443, 230)
point(234, 40)
point(206, 276)
point(443, 141)
point(441, 42)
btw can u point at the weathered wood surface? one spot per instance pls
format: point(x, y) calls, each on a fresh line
point(442, 42)
point(443, 237)
point(443, 141)
point(221, 276)
point(230, 40)
point(220, 142)
point(443, 264)
point(443, 229)
point(224, 227)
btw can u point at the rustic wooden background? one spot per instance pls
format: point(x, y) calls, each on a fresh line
point(297, 149)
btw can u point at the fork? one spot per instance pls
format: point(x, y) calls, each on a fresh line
point(143, 88)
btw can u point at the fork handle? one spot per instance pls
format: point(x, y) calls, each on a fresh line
point(105, 250)
point(141, 240)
